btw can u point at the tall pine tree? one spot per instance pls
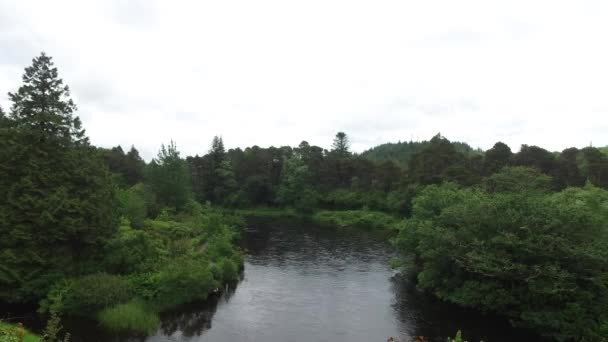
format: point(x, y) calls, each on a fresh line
point(56, 203)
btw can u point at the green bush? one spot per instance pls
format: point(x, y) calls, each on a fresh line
point(132, 204)
point(182, 281)
point(130, 250)
point(131, 317)
point(537, 257)
point(88, 294)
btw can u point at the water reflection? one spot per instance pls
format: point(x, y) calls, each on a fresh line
point(307, 284)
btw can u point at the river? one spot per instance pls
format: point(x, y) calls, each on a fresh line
point(303, 283)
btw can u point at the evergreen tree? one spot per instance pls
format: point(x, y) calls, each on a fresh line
point(169, 179)
point(134, 166)
point(341, 144)
point(56, 203)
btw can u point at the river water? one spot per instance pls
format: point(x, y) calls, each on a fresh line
point(304, 283)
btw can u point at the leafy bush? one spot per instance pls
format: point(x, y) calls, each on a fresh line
point(539, 258)
point(131, 317)
point(130, 250)
point(132, 204)
point(182, 281)
point(88, 294)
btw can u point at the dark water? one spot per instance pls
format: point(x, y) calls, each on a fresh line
point(309, 284)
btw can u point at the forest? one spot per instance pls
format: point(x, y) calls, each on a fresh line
point(99, 232)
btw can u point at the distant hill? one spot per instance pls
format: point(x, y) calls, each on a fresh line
point(401, 152)
point(604, 150)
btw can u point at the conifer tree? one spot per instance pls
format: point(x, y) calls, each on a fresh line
point(56, 203)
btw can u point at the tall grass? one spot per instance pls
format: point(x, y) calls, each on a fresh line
point(133, 316)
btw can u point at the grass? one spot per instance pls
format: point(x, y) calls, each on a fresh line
point(133, 316)
point(342, 219)
point(10, 332)
point(359, 219)
point(267, 212)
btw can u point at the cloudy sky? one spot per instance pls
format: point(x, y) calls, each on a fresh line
point(275, 72)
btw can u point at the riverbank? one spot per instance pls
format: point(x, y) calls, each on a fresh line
point(368, 220)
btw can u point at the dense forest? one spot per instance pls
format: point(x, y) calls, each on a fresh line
point(101, 233)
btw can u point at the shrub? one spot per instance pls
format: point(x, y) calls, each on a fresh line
point(91, 293)
point(181, 281)
point(538, 257)
point(131, 317)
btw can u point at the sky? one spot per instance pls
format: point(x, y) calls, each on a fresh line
point(276, 72)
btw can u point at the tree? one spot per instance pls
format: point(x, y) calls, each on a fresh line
point(128, 168)
point(496, 158)
point(217, 152)
point(594, 166)
point(566, 171)
point(534, 156)
point(518, 179)
point(226, 185)
point(168, 178)
point(341, 144)
point(430, 166)
point(3, 118)
point(295, 188)
point(56, 208)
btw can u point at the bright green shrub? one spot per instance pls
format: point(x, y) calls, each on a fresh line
point(131, 317)
point(182, 281)
point(130, 250)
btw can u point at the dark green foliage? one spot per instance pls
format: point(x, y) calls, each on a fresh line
point(56, 207)
point(496, 158)
point(128, 168)
point(534, 156)
point(169, 179)
point(439, 162)
point(566, 171)
point(89, 294)
point(401, 152)
point(518, 179)
point(539, 258)
point(295, 189)
point(132, 204)
point(341, 145)
point(594, 166)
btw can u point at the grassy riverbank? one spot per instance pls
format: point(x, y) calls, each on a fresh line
point(341, 219)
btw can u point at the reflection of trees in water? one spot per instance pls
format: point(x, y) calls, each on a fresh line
point(194, 318)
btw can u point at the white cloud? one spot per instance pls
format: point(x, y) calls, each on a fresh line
point(277, 72)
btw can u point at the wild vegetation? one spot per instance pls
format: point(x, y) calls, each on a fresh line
point(98, 232)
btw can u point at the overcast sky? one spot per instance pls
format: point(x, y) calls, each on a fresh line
point(276, 72)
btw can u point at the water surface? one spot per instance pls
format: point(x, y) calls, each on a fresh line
point(304, 283)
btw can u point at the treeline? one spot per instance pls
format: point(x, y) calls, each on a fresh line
point(308, 177)
point(119, 246)
point(523, 234)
